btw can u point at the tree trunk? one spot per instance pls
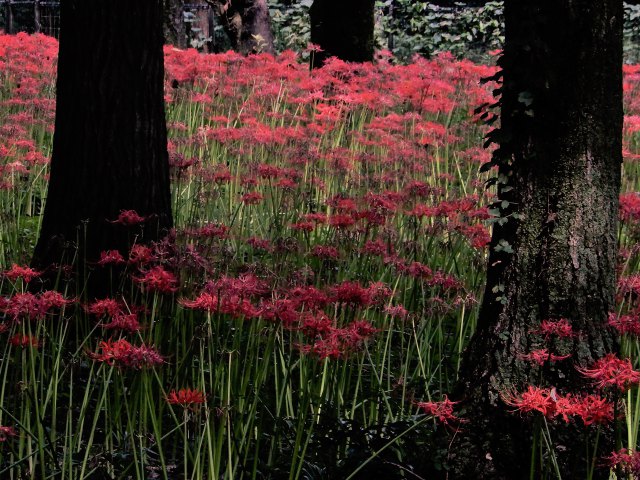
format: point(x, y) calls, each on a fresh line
point(8, 18)
point(110, 141)
point(37, 24)
point(174, 27)
point(342, 29)
point(247, 23)
point(553, 249)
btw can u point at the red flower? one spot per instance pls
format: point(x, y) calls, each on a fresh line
point(158, 279)
point(534, 399)
point(110, 257)
point(140, 254)
point(627, 460)
point(541, 356)
point(22, 306)
point(107, 306)
point(24, 341)
point(186, 397)
point(593, 409)
point(122, 321)
point(625, 324)
point(610, 371)
point(442, 410)
point(122, 354)
point(129, 218)
point(204, 301)
point(26, 273)
point(6, 432)
point(52, 299)
point(560, 328)
point(252, 198)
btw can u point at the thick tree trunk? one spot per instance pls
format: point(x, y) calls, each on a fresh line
point(110, 141)
point(342, 29)
point(553, 250)
point(173, 25)
point(247, 23)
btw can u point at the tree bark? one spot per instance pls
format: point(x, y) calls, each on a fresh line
point(553, 250)
point(110, 140)
point(342, 29)
point(248, 24)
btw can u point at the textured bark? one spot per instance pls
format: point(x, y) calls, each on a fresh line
point(247, 23)
point(110, 141)
point(559, 163)
point(174, 27)
point(343, 30)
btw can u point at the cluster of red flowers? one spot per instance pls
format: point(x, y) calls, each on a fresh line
point(627, 460)
point(612, 372)
point(121, 353)
point(591, 409)
point(442, 410)
point(24, 306)
point(26, 273)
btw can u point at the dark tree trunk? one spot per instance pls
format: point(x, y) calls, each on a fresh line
point(110, 141)
point(174, 27)
point(37, 24)
point(8, 18)
point(247, 23)
point(553, 250)
point(342, 29)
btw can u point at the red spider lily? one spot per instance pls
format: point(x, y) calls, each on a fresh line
point(260, 244)
point(397, 311)
point(121, 321)
point(559, 328)
point(627, 460)
point(129, 218)
point(22, 306)
point(6, 432)
point(157, 279)
point(541, 356)
point(110, 257)
point(186, 397)
point(121, 353)
point(212, 230)
point(325, 252)
point(24, 341)
point(442, 410)
point(625, 324)
point(252, 198)
point(379, 293)
point(140, 255)
point(610, 371)
point(105, 307)
point(630, 207)
point(27, 274)
point(308, 297)
point(341, 221)
point(303, 226)
point(534, 399)
point(204, 301)
point(376, 247)
point(593, 409)
point(350, 292)
point(246, 285)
